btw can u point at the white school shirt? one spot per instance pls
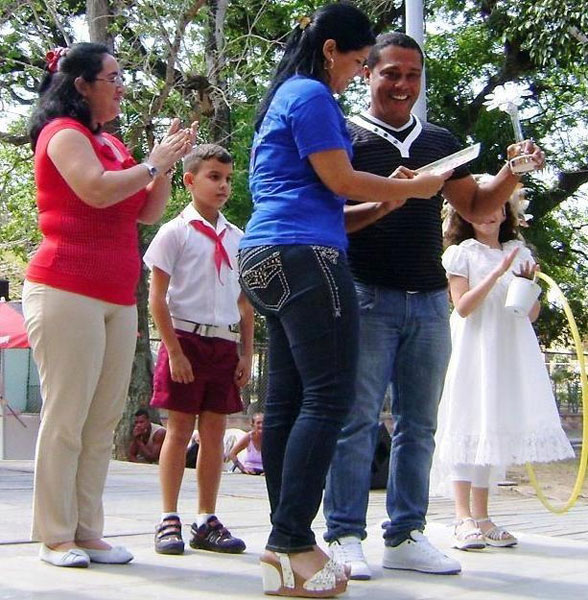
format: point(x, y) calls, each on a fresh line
point(195, 291)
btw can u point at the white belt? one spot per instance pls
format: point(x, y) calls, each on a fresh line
point(227, 332)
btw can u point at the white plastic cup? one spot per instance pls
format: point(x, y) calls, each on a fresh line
point(521, 296)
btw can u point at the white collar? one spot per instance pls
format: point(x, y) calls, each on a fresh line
point(377, 121)
point(368, 122)
point(191, 214)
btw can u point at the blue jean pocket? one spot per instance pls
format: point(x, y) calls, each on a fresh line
point(366, 295)
point(263, 279)
point(439, 303)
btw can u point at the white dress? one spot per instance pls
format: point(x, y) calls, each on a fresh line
point(497, 406)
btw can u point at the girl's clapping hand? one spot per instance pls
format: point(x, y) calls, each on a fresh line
point(506, 263)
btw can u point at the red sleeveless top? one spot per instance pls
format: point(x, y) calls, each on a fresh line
point(85, 250)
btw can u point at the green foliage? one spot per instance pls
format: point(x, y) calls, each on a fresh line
point(18, 215)
point(175, 66)
point(548, 30)
point(561, 242)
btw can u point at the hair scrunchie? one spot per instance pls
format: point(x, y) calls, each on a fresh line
point(53, 57)
point(304, 22)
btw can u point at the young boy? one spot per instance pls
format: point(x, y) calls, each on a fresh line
point(197, 304)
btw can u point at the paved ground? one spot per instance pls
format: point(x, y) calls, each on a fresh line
point(550, 565)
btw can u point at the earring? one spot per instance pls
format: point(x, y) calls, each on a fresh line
point(329, 63)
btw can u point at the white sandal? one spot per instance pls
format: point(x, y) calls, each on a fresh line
point(470, 538)
point(497, 536)
point(280, 579)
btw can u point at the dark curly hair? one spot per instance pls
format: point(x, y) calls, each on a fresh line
point(339, 21)
point(58, 96)
point(459, 230)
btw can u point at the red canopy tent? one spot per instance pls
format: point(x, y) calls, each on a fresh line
point(12, 329)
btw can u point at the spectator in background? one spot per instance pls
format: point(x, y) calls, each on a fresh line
point(147, 439)
point(251, 442)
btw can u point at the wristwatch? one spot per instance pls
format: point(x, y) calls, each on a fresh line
point(153, 171)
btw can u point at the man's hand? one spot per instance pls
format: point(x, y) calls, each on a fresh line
point(528, 148)
point(139, 430)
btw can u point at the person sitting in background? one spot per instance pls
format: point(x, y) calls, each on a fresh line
point(147, 439)
point(232, 435)
point(251, 443)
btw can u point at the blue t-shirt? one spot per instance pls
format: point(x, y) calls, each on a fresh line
point(290, 203)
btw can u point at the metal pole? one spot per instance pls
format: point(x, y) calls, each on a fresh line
point(415, 27)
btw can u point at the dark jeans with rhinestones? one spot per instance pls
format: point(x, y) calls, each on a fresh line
point(307, 295)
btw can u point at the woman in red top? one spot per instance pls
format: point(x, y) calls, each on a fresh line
point(79, 294)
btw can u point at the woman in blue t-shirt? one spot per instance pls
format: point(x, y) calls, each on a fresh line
point(294, 270)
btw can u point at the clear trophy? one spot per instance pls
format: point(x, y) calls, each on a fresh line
point(508, 98)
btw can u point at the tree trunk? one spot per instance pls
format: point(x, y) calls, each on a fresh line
point(220, 123)
point(99, 17)
point(140, 387)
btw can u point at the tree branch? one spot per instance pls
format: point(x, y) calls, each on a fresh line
point(568, 184)
point(14, 139)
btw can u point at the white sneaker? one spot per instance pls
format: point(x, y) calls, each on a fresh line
point(347, 550)
point(417, 554)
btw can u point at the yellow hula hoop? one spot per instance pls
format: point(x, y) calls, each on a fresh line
point(584, 455)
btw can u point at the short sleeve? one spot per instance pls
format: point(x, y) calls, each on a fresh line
point(317, 125)
point(165, 248)
point(455, 261)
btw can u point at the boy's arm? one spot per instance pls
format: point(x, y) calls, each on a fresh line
point(243, 370)
point(180, 368)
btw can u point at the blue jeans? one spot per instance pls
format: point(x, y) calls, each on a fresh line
point(308, 298)
point(404, 340)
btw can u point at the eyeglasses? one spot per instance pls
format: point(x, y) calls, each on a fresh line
point(113, 79)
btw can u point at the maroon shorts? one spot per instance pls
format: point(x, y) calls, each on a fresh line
point(213, 362)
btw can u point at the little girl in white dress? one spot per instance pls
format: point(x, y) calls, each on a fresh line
point(497, 406)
